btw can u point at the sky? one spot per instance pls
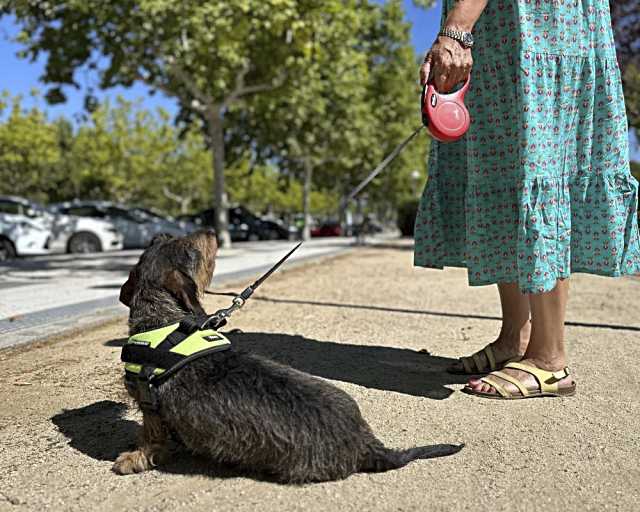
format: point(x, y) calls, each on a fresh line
point(20, 76)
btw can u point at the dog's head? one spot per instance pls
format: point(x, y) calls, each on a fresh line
point(183, 267)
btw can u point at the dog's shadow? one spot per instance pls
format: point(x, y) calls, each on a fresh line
point(99, 429)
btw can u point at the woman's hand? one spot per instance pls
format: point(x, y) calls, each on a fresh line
point(450, 64)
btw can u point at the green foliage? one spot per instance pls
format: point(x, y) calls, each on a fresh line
point(30, 154)
point(121, 153)
point(353, 101)
point(264, 189)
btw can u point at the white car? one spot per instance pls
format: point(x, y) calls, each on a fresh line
point(26, 228)
point(22, 237)
point(137, 225)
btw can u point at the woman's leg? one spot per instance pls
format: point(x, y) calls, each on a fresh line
point(516, 327)
point(546, 345)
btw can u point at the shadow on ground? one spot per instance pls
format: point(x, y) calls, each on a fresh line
point(98, 430)
point(385, 368)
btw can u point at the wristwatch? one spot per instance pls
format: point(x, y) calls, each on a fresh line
point(464, 38)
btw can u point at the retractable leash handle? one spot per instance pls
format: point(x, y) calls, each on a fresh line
point(444, 115)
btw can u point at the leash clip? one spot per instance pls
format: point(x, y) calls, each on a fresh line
point(219, 318)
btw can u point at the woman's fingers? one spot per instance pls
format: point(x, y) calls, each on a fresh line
point(450, 64)
point(425, 69)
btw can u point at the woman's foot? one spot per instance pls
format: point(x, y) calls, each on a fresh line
point(510, 346)
point(561, 378)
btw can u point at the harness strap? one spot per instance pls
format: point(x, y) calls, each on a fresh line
point(186, 328)
point(140, 354)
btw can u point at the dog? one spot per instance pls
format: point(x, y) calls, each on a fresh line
point(238, 409)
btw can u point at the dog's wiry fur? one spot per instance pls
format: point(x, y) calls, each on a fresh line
point(239, 409)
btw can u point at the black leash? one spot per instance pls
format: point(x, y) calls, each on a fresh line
point(219, 318)
point(382, 165)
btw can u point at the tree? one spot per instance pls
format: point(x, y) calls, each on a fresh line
point(128, 154)
point(353, 100)
point(210, 56)
point(29, 150)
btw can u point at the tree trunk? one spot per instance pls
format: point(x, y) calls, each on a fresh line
point(306, 199)
point(221, 204)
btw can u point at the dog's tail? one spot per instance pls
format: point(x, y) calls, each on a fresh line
point(384, 459)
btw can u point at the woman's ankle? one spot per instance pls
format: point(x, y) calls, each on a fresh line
point(514, 338)
point(551, 362)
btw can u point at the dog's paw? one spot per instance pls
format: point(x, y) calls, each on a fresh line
point(128, 463)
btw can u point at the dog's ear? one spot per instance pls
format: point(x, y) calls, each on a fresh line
point(183, 288)
point(129, 288)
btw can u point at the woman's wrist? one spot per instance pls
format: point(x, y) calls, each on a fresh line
point(460, 27)
point(464, 15)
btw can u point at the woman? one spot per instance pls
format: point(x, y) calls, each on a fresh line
point(540, 186)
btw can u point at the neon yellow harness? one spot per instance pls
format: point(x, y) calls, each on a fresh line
point(151, 357)
point(191, 345)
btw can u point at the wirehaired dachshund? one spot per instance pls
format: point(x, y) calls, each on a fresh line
point(238, 409)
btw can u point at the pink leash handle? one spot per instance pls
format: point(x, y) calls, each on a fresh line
point(445, 115)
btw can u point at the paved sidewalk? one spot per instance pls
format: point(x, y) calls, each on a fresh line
point(361, 321)
point(47, 295)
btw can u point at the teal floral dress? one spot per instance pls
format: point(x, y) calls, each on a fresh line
point(540, 186)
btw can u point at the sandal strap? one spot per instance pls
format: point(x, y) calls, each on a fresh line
point(548, 381)
point(496, 385)
point(488, 351)
point(476, 360)
point(509, 378)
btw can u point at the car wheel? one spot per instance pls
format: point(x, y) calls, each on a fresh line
point(7, 251)
point(253, 237)
point(82, 243)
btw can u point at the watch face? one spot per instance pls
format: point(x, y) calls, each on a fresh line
point(467, 39)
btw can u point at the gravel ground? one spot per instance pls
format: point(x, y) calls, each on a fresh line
point(359, 320)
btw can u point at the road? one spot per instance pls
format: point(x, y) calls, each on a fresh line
point(45, 295)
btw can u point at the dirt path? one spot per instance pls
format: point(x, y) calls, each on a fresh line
point(358, 320)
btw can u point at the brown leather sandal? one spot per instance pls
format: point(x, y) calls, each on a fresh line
point(473, 365)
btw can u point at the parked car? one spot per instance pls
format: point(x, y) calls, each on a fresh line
point(243, 225)
point(29, 229)
point(329, 228)
point(22, 237)
point(165, 220)
point(137, 225)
